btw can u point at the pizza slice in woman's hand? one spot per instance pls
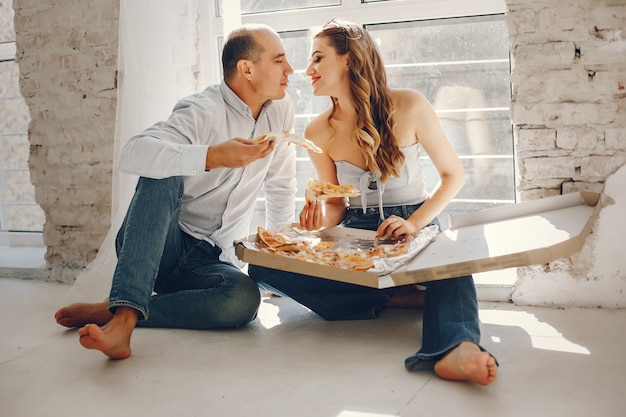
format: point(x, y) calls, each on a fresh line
point(320, 190)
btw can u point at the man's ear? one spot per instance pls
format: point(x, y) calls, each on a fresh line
point(243, 66)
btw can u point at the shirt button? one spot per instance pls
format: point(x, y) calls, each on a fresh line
point(193, 171)
point(164, 173)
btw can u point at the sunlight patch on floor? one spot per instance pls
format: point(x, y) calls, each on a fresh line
point(268, 316)
point(361, 414)
point(542, 335)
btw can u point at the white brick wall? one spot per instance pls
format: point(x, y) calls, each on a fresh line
point(569, 102)
point(569, 115)
point(67, 53)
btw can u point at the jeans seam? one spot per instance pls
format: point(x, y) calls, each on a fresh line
point(143, 314)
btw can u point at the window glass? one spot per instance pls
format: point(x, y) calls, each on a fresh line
point(462, 66)
point(18, 209)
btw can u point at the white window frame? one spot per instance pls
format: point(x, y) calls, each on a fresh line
point(393, 11)
point(377, 12)
point(7, 51)
point(302, 19)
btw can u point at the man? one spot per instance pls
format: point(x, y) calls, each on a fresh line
point(196, 194)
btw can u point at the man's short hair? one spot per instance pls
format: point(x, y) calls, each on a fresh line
point(241, 44)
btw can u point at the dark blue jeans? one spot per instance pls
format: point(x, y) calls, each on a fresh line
point(450, 307)
point(171, 278)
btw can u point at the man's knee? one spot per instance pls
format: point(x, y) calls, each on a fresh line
point(243, 304)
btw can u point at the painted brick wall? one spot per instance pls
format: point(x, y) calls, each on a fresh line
point(67, 55)
point(569, 116)
point(569, 93)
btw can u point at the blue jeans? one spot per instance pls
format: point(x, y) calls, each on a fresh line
point(171, 278)
point(450, 306)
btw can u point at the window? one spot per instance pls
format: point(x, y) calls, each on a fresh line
point(255, 6)
point(460, 63)
point(18, 210)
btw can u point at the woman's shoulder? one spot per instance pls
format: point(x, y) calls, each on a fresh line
point(319, 128)
point(404, 98)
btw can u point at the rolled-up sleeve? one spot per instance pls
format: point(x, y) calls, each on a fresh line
point(170, 148)
point(154, 158)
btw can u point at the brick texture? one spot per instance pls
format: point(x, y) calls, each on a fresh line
point(67, 55)
point(569, 99)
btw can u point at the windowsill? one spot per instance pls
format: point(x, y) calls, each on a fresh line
point(495, 285)
point(21, 239)
point(22, 255)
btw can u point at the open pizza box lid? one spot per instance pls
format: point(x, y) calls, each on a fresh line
point(529, 233)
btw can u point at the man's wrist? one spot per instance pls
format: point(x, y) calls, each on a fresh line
point(207, 161)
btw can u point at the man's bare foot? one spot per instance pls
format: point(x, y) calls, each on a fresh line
point(467, 362)
point(80, 314)
point(406, 297)
point(112, 339)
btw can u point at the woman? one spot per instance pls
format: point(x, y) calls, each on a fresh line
point(370, 137)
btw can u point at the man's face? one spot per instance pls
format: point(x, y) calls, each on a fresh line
point(270, 74)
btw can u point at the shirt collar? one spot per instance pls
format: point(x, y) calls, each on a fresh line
point(235, 102)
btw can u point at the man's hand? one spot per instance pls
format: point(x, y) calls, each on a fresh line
point(235, 153)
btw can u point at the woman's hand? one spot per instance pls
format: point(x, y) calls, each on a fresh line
point(311, 215)
point(396, 227)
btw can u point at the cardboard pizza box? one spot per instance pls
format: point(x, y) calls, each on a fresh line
point(529, 233)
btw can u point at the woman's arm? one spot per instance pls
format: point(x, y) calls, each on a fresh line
point(427, 128)
point(316, 214)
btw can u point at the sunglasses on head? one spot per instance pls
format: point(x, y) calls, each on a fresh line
point(351, 33)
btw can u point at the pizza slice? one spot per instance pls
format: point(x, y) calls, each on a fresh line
point(320, 190)
point(272, 240)
point(289, 137)
point(326, 252)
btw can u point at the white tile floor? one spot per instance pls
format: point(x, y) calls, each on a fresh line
point(288, 362)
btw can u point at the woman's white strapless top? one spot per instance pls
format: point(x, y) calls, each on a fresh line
point(409, 189)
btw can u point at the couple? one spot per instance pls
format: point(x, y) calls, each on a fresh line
point(197, 189)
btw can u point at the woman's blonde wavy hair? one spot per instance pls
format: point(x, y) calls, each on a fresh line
point(374, 131)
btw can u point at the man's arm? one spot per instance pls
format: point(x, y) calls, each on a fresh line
point(236, 153)
point(181, 146)
point(151, 157)
point(174, 147)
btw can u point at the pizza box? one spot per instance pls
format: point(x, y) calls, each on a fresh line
point(529, 233)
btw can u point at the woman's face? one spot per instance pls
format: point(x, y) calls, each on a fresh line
point(327, 69)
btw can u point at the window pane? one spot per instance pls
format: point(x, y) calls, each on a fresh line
point(18, 209)
point(462, 66)
point(256, 6)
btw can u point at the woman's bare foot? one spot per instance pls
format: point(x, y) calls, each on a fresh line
point(80, 314)
point(467, 362)
point(112, 339)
